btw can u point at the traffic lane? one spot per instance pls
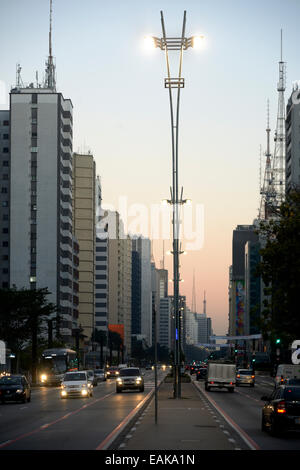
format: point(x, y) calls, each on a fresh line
point(84, 429)
point(244, 407)
point(63, 409)
point(46, 406)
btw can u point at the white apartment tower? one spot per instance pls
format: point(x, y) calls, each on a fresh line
point(41, 235)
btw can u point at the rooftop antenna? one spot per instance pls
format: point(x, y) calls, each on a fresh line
point(50, 66)
point(19, 82)
point(162, 263)
point(194, 303)
point(204, 304)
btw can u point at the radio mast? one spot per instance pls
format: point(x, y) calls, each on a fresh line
point(50, 81)
point(278, 169)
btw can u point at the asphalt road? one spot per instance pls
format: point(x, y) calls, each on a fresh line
point(50, 423)
point(243, 408)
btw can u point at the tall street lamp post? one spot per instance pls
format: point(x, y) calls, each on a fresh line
point(180, 44)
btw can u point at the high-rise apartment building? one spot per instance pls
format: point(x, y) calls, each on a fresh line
point(4, 197)
point(142, 291)
point(101, 265)
point(292, 163)
point(41, 227)
point(84, 226)
point(119, 278)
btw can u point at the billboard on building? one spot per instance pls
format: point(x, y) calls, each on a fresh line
point(240, 307)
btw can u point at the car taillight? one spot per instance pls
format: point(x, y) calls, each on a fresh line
point(281, 407)
point(212, 382)
point(252, 376)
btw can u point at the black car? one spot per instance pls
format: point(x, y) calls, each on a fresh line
point(201, 373)
point(14, 388)
point(194, 369)
point(281, 411)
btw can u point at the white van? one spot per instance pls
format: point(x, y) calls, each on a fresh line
point(287, 371)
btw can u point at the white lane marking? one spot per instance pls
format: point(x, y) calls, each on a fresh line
point(6, 442)
point(44, 426)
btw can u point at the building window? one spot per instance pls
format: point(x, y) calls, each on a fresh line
point(5, 163)
point(101, 286)
point(34, 98)
point(5, 123)
point(4, 203)
point(5, 150)
point(101, 258)
point(5, 136)
point(101, 277)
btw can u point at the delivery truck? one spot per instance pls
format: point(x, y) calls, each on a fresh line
point(220, 375)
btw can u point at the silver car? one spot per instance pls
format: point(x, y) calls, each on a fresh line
point(76, 384)
point(130, 379)
point(245, 376)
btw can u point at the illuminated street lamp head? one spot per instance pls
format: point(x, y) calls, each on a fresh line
point(149, 43)
point(198, 42)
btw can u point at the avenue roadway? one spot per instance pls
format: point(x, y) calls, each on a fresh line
point(50, 423)
point(243, 408)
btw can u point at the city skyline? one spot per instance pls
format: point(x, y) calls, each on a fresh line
point(123, 118)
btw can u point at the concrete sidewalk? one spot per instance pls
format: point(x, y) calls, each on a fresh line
point(189, 423)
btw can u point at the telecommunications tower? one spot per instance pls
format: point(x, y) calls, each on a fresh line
point(273, 191)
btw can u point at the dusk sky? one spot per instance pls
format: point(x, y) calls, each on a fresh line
point(121, 108)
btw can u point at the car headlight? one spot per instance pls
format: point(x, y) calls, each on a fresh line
point(84, 391)
point(19, 390)
point(119, 380)
point(64, 393)
point(43, 378)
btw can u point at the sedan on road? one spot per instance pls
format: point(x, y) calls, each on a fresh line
point(201, 373)
point(130, 379)
point(112, 372)
point(14, 388)
point(100, 375)
point(245, 377)
point(76, 384)
point(281, 411)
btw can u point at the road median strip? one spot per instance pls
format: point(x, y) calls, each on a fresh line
point(110, 441)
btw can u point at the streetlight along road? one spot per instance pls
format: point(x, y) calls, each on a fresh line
point(179, 44)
